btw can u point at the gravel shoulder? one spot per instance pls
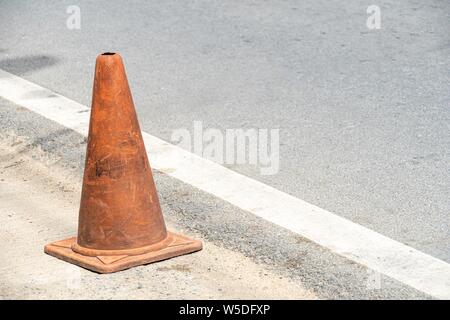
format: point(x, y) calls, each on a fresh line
point(39, 204)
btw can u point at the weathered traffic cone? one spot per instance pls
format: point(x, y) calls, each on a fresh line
point(120, 221)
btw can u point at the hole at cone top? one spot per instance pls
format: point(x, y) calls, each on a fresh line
point(108, 53)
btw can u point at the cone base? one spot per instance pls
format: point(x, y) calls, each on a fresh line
point(106, 264)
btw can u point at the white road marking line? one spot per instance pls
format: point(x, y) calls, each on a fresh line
point(355, 242)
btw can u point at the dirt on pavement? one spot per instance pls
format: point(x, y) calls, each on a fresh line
point(39, 204)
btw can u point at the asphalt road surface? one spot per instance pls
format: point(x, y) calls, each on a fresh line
point(364, 115)
point(41, 165)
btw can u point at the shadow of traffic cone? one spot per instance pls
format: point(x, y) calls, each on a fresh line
point(120, 221)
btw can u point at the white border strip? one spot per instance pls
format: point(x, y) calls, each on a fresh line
point(348, 239)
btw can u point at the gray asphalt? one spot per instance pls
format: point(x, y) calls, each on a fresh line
point(284, 254)
point(363, 114)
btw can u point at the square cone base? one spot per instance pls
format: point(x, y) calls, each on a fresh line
point(106, 264)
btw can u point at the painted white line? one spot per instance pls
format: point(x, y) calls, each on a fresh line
point(369, 248)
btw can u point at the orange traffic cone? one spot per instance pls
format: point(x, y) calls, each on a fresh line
point(120, 221)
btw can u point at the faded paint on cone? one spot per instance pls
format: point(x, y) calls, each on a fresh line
point(119, 204)
point(120, 215)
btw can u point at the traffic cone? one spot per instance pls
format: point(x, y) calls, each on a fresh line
point(120, 220)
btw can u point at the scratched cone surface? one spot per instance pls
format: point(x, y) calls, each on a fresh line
point(120, 220)
point(119, 205)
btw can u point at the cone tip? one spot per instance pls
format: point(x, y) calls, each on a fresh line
point(109, 56)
